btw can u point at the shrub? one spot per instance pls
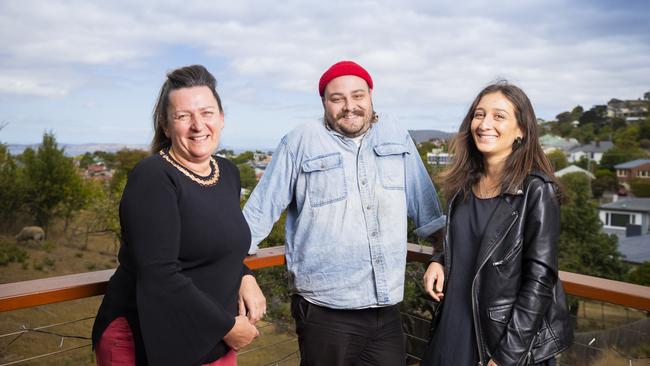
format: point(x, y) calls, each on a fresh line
point(48, 262)
point(48, 246)
point(12, 253)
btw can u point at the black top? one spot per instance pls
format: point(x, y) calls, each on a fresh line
point(454, 341)
point(181, 262)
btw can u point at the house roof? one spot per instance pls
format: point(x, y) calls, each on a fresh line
point(635, 249)
point(559, 142)
point(632, 164)
point(594, 147)
point(633, 204)
point(574, 169)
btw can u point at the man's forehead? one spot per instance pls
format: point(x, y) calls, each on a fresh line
point(346, 84)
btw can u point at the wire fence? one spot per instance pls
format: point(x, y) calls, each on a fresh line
point(51, 336)
point(605, 335)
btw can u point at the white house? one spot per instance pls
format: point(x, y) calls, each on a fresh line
point(615, 216)
point(593, 151)
point(437, 157)
point(574, 169)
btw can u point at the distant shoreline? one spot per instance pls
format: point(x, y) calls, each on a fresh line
point(80, 149)
point(73, 150)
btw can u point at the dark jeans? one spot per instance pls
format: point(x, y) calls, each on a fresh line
point(332, 337)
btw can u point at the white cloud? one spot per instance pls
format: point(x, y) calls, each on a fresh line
point(39, 82)
point(421, 54)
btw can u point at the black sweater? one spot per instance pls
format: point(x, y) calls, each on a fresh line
point(181, 263)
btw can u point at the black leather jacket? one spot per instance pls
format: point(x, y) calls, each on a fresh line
point(518, 303)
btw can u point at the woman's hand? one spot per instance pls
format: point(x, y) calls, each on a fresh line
point(252, 302)
point(492, 363)
point(435, 275)
point(242, 334)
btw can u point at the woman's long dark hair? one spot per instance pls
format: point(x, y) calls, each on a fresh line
point(184, 77)
point(467, 163)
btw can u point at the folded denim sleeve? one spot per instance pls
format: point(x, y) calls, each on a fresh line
point(271, 196)
point(422, 200)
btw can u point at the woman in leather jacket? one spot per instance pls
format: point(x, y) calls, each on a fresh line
point(497, 277)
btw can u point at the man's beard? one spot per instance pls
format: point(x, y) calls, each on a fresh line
point(348, 130)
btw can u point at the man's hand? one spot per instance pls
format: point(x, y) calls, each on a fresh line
point(252, 302)
point(492, 363)
point(435, 275)
point(241, 334)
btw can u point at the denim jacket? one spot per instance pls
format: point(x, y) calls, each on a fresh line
point(347, 208)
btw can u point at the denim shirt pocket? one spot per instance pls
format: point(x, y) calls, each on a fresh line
point(390, 165)
point(325, 179)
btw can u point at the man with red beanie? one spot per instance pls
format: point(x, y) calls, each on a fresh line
point(348, 183)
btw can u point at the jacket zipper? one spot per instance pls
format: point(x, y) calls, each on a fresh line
point(477, 322)
point(511, 254)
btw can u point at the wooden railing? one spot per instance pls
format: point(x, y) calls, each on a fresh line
point(19, 295)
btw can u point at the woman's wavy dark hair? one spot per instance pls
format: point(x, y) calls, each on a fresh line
point(184, 77)
point(467, 163)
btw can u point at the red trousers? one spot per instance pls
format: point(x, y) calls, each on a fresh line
point(116, 347)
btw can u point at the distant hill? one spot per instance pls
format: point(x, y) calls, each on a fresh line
point(79, 149)
point(425, 135)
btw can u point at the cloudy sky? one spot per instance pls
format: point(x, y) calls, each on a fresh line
point(90, 71)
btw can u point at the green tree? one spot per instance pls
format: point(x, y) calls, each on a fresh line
point(108, 158)
point(617, 123)
point(594, 116)
point(584, 248)
point(47, 175)
point(558, 159)
point(627, 137)
point(104, 212)
point(617, 155)
point(604, 133)
point(605, 182)
point(123, 162)
point(564, 118)
point(76, 196)
point(587, 164)
point(576, 113)
point(563, 129)
point(11, 192)
point(640, 275)
point(86, 160)
point(640, 187)
point(644, 129)
point(424, 148)
point(247, 176)
point(585, 133)
point(226, 152)
point(244, 157)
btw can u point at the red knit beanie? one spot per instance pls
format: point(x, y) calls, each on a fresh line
point(343, 68)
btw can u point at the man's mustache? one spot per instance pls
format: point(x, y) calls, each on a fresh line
point(356, 112)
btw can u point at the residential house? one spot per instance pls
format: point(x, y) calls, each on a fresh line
point(98, 171)
point(438, 157)
point(574, 169)
point(635, 246)
point(616, 216)
point(551, 143)
point(593, 151)
point(639, 168)
point(630, 110)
